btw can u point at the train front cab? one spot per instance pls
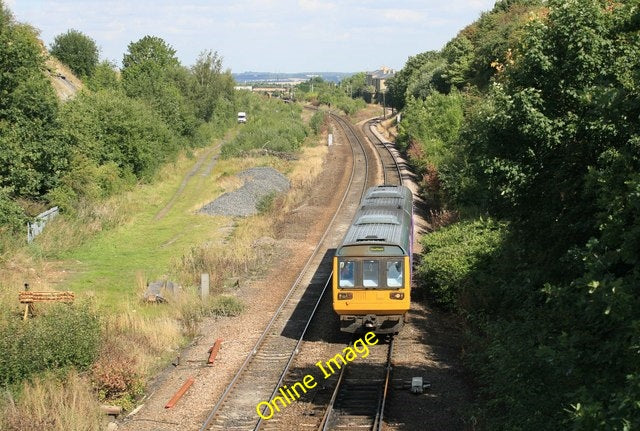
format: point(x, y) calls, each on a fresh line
point(371, 287)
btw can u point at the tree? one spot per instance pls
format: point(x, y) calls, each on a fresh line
point(208, 83)
point(459, 55)
point(150, 50)
point(150, 72)
point(31, 156)
point(558, 149)
point(76, 50)
point(355, 84)
point(397, 86)
point(427, 79)
point(104, 77)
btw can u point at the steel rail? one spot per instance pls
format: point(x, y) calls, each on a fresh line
point(378, 415)
point(293, 288)
point(372, 136)
point(296, 348)
point(324, 425)
point(377, 426)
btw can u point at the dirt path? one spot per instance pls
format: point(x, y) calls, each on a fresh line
point(209, 154)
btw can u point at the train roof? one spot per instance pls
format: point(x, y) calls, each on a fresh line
point(388, 196)
point(387, 191)
point(379, 226)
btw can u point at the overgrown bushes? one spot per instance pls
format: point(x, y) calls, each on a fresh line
point(64, 336)
point(318, 121)
point(32, 152)
point(122, 125)
point(272, 125)
point(318, 91)
point(452, 256)
point(550, 148)
point(107, 127)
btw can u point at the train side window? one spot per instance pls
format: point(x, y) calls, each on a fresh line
point(394, 273)
point(347, 274)
point(370, 273)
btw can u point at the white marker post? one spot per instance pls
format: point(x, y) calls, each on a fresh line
point(204, 285)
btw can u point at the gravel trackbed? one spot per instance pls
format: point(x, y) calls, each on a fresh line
point(259, 182)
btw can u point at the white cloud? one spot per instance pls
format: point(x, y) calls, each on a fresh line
point(316, 5)
point(403, 15)
point(278, 35)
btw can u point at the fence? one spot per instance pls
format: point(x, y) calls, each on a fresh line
point(34, 229)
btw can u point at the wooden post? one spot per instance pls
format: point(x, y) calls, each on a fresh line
point(26, 307)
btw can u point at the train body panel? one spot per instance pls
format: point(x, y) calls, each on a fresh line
point(372, 266)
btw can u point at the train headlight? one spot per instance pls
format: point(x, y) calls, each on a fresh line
point(345, 295)
point(396, 295)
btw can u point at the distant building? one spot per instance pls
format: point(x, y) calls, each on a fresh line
point(378, 79)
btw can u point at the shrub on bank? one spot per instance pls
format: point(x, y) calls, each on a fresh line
point(452, 254)
point(274, 126)
point(318, 121)
point(63, 336)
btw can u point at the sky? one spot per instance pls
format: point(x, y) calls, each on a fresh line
point(280, 36)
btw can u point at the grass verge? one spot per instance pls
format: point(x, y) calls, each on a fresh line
point(114, 248)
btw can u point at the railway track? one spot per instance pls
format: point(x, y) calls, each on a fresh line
point(269, 364)
point(263, 371)
point(353, 399)
point(359, 397)
point(390, 168)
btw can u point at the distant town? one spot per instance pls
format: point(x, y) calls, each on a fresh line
point(287, 78)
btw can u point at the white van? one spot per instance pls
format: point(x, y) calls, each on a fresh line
point(242, 117)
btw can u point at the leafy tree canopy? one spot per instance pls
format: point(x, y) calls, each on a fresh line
point(76, 50)
point(208, 83)
point(30, 150)
point(104, 77)
point(397, 86)
point(150, 50)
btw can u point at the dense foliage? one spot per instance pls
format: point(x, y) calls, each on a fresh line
point(543, 135)
point(272, 125)
point(453, 256)
point(32, 152)
point(320, 92)
point(77, 50)
point(116, 132)
point(318, 121)
point(65, 336)
point(104, 77)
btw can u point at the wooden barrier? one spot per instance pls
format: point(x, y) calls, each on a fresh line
point(30, 297)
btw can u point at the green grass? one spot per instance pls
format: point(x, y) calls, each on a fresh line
point(110, 263)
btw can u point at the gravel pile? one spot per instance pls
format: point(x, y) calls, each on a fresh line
point(259, 182)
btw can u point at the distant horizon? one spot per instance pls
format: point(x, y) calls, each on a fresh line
point(288, 77)
point(284, 36)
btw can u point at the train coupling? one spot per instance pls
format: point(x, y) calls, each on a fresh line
point(371, 321)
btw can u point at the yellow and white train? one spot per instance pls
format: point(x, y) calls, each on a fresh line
point(372, 265)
